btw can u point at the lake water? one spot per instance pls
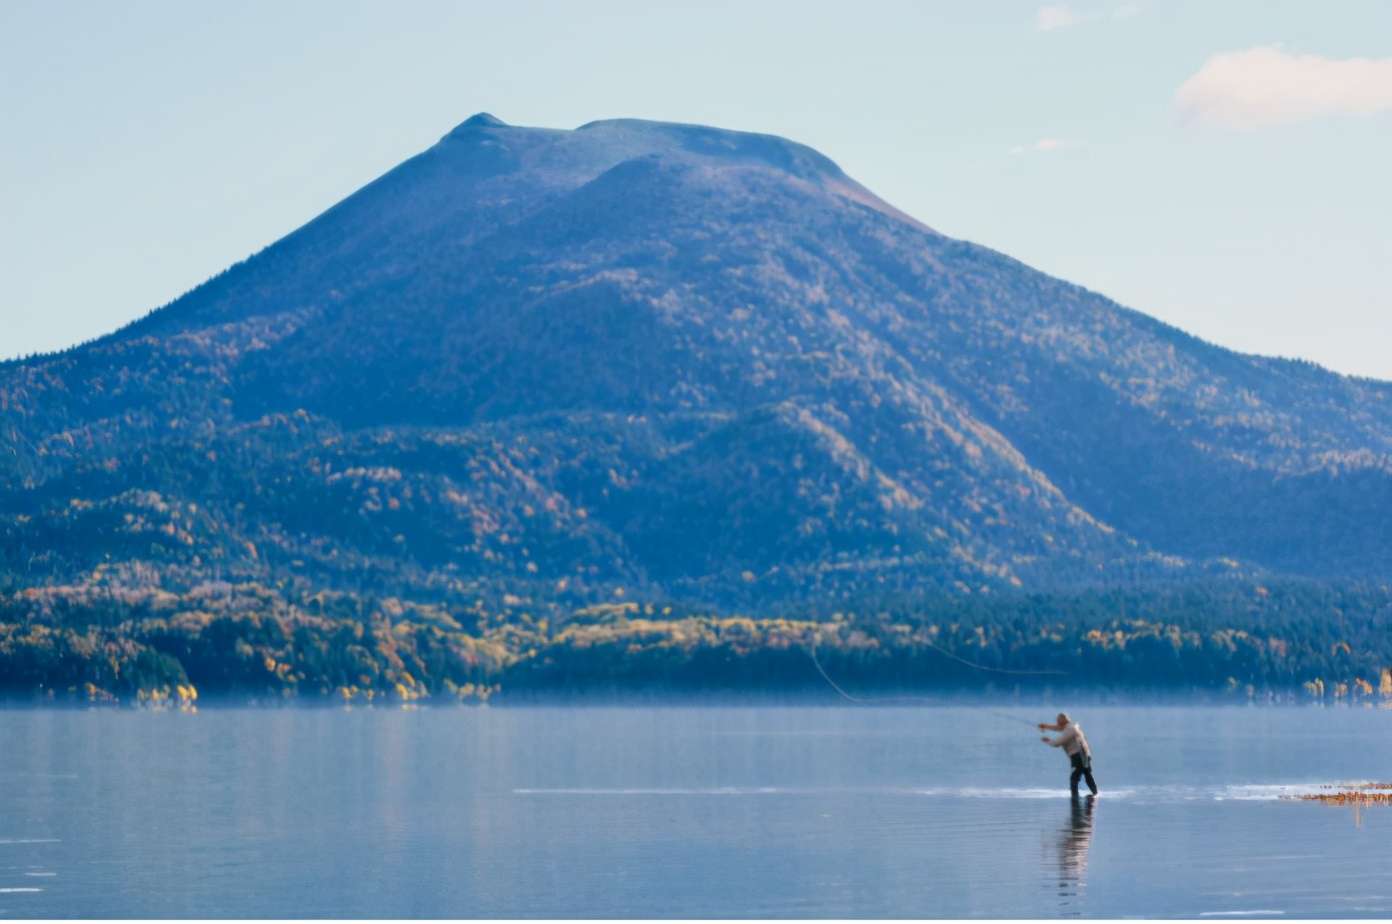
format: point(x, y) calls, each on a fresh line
point(694, 812)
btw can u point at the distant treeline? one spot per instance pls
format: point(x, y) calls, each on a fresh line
point(249, 641)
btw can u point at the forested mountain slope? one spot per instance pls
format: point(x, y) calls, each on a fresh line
point(650, 361)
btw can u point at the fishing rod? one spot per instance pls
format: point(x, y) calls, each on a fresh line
point(1013, 718)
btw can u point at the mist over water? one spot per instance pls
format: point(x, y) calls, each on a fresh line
point(692, 811)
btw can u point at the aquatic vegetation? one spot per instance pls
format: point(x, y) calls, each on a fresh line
point(1351, 794)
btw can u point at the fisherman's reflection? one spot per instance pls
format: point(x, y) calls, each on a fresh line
point(1074, 840)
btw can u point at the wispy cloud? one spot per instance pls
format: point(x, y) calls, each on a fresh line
point(1270, 86)
point(1055, 16)
point(1044, 146)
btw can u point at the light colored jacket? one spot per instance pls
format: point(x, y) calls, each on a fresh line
point(1072, 740)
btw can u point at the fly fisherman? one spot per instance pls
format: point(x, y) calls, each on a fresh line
point(1075, 745)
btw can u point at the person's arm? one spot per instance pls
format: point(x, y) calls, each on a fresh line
point(1049, 726)
point(1066, 736)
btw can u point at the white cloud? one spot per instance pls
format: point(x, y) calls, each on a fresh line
point(1044, 145)
point(1055, 16)
point(1269, 86)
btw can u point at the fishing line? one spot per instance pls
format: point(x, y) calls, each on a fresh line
point(994, 670)
point(862, 701)
point(832, 683)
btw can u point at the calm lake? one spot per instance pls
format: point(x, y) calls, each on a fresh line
point(692, 812)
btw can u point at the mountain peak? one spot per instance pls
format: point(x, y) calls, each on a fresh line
point(482, 120)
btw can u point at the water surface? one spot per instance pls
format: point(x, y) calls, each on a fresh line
point(687, 811)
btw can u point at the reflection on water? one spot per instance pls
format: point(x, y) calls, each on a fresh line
point(1074, 840)
point(682, 812)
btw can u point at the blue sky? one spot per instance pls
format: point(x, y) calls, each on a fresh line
point(1223, 166)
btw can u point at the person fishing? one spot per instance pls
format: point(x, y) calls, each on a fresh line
point(1075, 745)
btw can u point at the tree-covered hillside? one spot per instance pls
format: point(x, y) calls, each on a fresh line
point(247, 641)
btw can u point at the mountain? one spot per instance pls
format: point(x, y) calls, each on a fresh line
point(532, 369)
